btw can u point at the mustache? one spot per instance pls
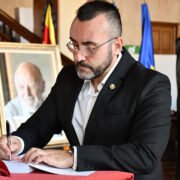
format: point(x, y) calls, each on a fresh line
point(83, 64)
point(28, 97)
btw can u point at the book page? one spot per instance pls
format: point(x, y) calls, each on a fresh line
point(54, 170)
point(18, 167)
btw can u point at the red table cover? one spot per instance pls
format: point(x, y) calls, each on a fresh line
point(98, 175)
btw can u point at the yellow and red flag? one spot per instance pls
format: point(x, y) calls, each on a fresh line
point(49, 29)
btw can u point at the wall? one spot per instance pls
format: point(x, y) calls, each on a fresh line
point(67, 10)
point(9, 5)
point(160, 11)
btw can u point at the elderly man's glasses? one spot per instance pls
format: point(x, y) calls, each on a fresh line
point(85, 50)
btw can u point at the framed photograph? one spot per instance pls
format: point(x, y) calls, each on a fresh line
point(39, 63)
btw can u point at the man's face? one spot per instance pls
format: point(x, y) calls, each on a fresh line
point(92, 33)
point(30, 88)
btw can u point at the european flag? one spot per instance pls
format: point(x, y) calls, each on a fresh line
point(146, 53)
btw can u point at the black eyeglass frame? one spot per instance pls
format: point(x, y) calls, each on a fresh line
point(92, 50)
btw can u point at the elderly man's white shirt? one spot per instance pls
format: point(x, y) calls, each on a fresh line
point(16, 113)
point(14, 110)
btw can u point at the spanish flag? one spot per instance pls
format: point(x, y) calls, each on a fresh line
point(146, 53)
point(48, 26)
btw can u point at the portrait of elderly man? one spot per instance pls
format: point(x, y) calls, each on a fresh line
point(30, 86)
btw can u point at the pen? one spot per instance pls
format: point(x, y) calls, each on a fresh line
point(8, 136)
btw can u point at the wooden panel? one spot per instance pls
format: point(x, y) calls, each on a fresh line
point(178, 30)
point(164, 36)
point(166, 41)
point(156, 39)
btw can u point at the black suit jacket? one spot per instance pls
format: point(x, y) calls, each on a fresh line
point(128, 128)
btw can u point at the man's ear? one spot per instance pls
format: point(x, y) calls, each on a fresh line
point(43, 86)
point(117, 46)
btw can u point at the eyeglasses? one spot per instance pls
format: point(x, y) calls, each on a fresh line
point(85, 50)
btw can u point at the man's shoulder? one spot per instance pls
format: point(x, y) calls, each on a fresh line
point(145, 73)
point(143, 78)
point(138, 72)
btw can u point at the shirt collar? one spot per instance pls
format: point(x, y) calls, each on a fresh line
point(100, 86)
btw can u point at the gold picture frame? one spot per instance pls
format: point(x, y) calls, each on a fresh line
point(46, 57)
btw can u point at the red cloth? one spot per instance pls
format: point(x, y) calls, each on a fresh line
point(99, 175)
point(3, 169)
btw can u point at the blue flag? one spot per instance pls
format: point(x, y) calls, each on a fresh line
point(146, 56)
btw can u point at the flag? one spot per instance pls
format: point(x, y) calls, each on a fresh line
point(146, 53)
point(48, 25)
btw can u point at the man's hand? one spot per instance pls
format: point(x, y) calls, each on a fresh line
point(14, 148)
point(56, 158)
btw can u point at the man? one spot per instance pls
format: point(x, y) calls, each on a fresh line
point(115, 112)
point(30, 86)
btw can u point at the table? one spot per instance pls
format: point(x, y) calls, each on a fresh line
point(98, 175)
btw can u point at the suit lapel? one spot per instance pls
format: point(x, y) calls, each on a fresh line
point(111, 86)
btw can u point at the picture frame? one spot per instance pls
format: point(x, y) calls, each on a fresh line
point(45, 57)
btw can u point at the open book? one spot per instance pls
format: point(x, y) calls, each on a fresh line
point(18, 167)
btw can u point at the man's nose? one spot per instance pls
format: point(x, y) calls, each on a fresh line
point(79, 56)
point(27, 91)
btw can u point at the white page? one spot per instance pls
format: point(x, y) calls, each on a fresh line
point(18, 167)
point(68, 171)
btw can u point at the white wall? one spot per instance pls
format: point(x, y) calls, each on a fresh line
point(67, 11)
point(25, 17)
point(166, 64)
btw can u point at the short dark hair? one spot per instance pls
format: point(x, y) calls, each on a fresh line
point(91, 9)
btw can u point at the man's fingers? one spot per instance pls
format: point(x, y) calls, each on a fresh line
point(4, 155)
point(28, 155)
point(14, 147)
point(33, 154)
point(15, 157)
point(39, 159)
point(4, 149)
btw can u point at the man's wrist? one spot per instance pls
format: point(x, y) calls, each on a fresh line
point(22, 145)
point(73, 152)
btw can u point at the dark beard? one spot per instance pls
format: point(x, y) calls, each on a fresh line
point(96, 72)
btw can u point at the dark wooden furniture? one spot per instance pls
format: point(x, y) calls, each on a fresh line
point(164, 37)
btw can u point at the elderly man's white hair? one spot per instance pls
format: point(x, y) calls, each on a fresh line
point(31, 68)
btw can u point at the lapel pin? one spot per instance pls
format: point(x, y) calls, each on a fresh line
point(112, 86)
